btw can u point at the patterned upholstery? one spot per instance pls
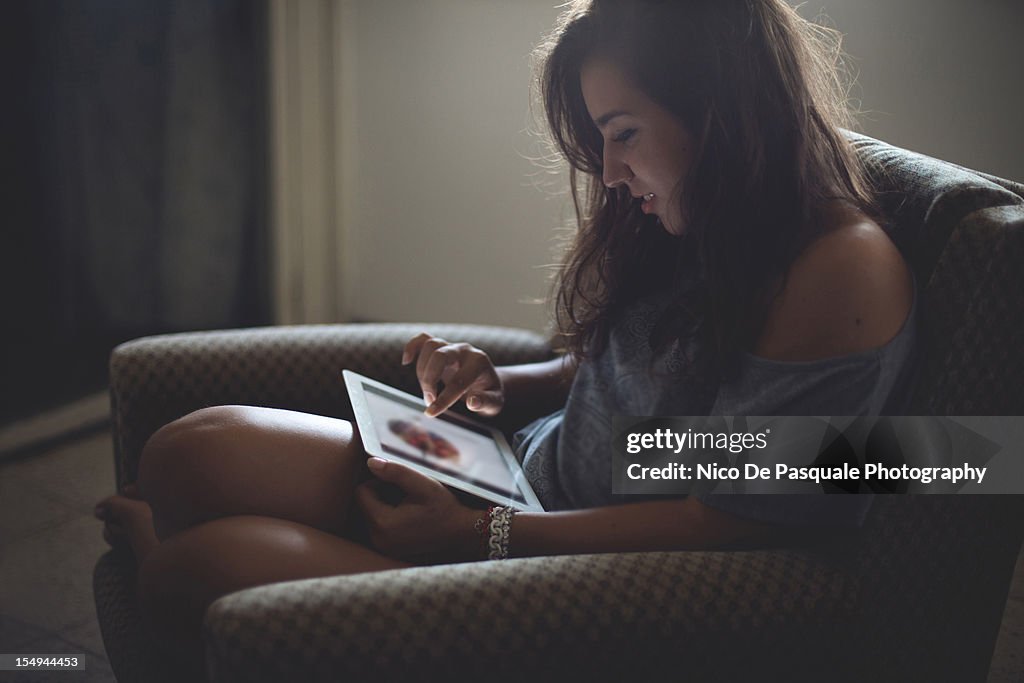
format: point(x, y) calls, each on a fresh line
point(917, 596)
point(594, 617)
point(159, 379)
point(963, 233)
point(935, 579)
point(133, 655)
point(920, 600)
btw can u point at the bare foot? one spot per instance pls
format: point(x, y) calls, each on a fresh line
point(128, 521)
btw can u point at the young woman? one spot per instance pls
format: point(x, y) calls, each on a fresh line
point(728, 261)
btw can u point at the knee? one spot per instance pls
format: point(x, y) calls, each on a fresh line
point(177, 458)
point(184, 445)
point(199, 423)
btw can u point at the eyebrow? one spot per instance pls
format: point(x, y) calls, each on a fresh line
point(603, 119)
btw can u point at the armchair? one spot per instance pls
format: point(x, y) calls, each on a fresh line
point(918, 596)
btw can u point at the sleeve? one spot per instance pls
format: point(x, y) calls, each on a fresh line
point(853, 385)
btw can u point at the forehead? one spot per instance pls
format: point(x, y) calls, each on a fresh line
point(607, 88)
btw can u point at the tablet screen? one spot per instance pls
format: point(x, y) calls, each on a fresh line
point(449, 447)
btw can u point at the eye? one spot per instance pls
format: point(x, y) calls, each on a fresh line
point(624, 135)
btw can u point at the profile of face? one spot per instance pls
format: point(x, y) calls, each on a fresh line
point(646, 147)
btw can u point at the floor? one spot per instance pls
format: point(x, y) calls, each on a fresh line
point(49, 542)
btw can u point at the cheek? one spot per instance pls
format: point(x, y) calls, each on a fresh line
point(672, 177)
point(668, 168)
point(675, 172)
point(680, 171)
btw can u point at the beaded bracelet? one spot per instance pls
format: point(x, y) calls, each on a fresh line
point(495, 528)
point(482, 528)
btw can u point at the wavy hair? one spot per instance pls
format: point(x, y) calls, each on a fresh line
point(761, 91)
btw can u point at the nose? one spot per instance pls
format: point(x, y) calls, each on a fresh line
point(615, 172)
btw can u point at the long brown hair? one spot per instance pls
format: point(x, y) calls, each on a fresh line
point(759, 89)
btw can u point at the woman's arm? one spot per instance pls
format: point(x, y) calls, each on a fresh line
point(452, 372)
point(683, 524)
point(430, 521)
point(535, 389)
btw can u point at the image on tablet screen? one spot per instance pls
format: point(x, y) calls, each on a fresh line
point(439, 442)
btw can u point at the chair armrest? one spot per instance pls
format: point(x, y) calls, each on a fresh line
point(597, 617)
point(156, 380)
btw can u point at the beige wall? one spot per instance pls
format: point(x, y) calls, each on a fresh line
point(441, 218)
point(942, 77)
point(445, 220)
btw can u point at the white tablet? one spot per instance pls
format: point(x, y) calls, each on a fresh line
point(452, 449)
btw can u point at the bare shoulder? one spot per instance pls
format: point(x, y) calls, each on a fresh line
point(849, 291)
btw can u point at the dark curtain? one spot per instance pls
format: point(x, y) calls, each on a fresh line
point(134, 163)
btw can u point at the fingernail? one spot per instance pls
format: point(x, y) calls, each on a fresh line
point(376, 463)
point(473, 403)
point(405, 359)
point(428, 398)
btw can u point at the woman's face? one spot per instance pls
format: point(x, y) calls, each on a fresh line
point(646, 147)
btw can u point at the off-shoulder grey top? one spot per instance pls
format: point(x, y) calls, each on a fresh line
point(566, 455)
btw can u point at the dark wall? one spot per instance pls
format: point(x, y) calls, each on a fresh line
point(114, 223)
point(34, 363)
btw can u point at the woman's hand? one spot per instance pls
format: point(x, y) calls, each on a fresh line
point(466, 371)
point(428, 521)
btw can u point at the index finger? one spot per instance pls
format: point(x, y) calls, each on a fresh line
point(455, 388)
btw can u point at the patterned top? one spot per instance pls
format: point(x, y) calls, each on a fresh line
point(567, 458)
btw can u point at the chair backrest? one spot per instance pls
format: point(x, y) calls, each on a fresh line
point(963, 233)
point(934, 570)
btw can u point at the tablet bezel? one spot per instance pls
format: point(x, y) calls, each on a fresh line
point(355, 383)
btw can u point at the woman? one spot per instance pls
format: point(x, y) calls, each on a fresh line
point(727, 261)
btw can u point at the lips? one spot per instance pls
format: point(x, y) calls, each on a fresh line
point(647, 202)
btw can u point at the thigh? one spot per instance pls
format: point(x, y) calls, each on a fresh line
point(184, 575)
point(243, 460)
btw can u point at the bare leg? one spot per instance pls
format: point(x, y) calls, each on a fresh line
point(242, 460)
point(186, 573)
point(179, 578)
point(234, 497)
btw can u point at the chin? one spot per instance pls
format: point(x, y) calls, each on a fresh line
point(675, 225)
point(674, 229)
